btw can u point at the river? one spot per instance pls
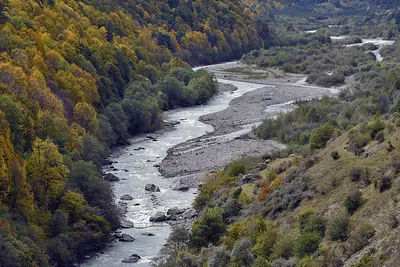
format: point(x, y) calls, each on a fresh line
point(135, 169)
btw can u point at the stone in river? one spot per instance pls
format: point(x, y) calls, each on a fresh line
point(148, 234)
point(174, 210)
point(181, 187)
point(126, 238)
point(126, 197)
point(111, 177)
point(189, 214)
point(126, 223)
point(132, 259)
point(158, 217)
point(151, 188)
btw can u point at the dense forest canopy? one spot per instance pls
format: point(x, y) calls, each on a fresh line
point(79, 77)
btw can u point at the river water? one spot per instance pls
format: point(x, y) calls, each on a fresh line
point(135, 169)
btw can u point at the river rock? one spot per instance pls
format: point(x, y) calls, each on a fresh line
point(111, 177)
point(151, 188)
point(181, 187)
point(126, 197)
point(126, 238)
point(175, 211)
point(156, 165)
point(148, 234)
point(189, 214)
point(126, 223)
point(151, 137)
point(158, 217)
point(171, 217)
point(248, 178)
point(118, 235)
point(132, 259)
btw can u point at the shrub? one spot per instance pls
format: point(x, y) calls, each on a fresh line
point(266, 240)
point(306, 243)
point(380, 136)
point(241, 254)
point(356, 174)
point(208, 228)
point(284, 247)
point(384, 183)
point(338, 228)
point(235, 169)
point(219, 257)
point(357, 144)
point(395, 164)
point(309, 221)
point(321, 136)
point(353, 201)
point(359, 238)
point(261, 262)
point(335, 155)
point(374, 127)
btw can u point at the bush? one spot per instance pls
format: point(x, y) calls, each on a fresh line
point(357, 144)
point(235, 169)
point(338, 228)
point(335, 155)
point(380, 136)
point(374, 127)
point(309, 221)
point(396, 164)
point(241, 254)
point(384, 183)
point(208, 228)
point(284, 247)
point(261, 262)
point(306, 244)
point(359, 238)
point(219, 257)
point(321, 136)
point(356, 173)
point(353, 201)
point(266, 240)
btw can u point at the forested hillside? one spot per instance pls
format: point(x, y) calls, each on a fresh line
point(76, 79)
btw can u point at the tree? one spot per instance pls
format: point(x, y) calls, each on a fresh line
point(208, 228)
point(46, 172)
point(3, 8)
point(86, 116)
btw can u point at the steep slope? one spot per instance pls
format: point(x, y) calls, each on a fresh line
point(77, 78)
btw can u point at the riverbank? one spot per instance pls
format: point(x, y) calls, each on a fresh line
point(231, 138)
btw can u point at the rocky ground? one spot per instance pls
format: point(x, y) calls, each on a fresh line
point(231, 140)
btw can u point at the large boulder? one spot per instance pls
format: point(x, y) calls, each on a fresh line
point(174, 211)
point(189, 214)
point(151, 188)
point(126, 223)
point(126, 238)
point(132, 259)
point(249, 178)
point(126, 197)
point(111, 177)
point(158, 217)
point(181, 187)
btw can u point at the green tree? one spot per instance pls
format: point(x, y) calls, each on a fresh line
point(208, 228)
point(3, 8)
point(46, 172)
point(321, 136)
point(86, 116)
